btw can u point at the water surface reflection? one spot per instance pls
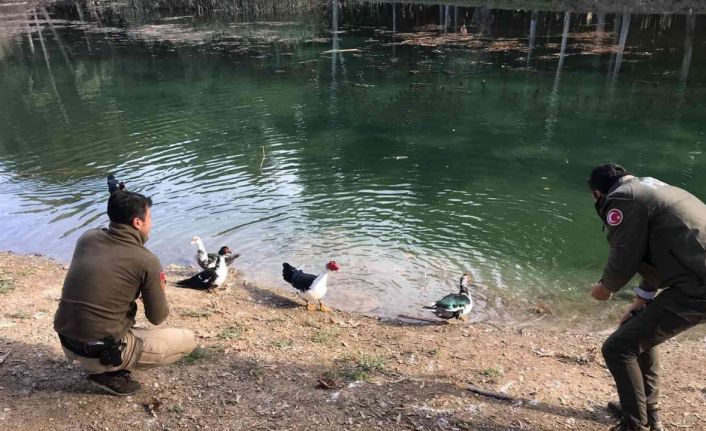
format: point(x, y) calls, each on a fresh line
point(409, 143)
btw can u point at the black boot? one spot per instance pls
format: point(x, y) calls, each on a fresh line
point(625, 425)
point(116, 382)
point(653, 419)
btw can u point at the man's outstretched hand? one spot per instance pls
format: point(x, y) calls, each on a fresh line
point(634, 308)
point(599, 292)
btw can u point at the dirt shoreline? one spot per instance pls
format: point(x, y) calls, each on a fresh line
point(264, 362)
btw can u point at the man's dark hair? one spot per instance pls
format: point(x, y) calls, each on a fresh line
point(604, 176)
point(124, 206)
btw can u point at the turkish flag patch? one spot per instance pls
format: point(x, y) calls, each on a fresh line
point(162, 277)
point(614, 217)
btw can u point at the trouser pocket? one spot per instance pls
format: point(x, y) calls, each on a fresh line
point(132, 351)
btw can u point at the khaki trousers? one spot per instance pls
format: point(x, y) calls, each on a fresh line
point(631, 354)
point(144, 349)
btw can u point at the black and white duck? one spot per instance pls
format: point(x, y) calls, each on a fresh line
point(310, 287)
point(114, 185)
point(209, 278)
point(209, 260)
point(455, 305)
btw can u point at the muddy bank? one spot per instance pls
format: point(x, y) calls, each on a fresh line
point(264, 362)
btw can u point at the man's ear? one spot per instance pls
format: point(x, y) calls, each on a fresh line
point(137, 223)
point(596, 194)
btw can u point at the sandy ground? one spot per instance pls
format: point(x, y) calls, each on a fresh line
point(264, 362)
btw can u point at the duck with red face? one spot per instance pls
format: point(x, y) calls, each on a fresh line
point(310, 287)
point(209, 260)
point(210, 278)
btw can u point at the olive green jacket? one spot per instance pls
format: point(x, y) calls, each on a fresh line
point(654, 225)
point(109, 270)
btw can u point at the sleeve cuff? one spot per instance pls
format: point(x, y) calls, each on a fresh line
point(647, 286)
point(614, 282)
point(644, 294)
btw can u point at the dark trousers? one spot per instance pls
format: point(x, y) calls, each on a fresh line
point(631, 354)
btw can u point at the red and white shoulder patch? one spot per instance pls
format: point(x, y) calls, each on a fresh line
point(614, 217)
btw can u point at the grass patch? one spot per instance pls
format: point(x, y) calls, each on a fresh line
point(361, 366)
point(433, 352)
point(311, 324)
point(371, 363)
point(325, 336)
point(196, 355)
point(252, 367)
point(353, 374)
point(27, 272)
point(282, 344)
point(175, 408)
point(7, 284)
point(195, 313)
point(492, 372)
point(331, 375)
point(231, 333)
point(21, 315)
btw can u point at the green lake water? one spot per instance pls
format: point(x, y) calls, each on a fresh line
point(341, 133)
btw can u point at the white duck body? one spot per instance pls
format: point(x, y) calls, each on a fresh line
point(221, 271)
point(317, 290)
point(201, 253)
point(208, 278)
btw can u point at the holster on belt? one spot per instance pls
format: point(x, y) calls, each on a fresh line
point(108, 351)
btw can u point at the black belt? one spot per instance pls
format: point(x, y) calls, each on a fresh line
point(77, 348)
point(108, 351)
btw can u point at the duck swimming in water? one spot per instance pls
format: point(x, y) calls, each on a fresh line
point(455, 305)
point(114, 185)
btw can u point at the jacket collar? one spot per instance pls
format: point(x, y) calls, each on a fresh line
point(126, 233)
point(601, 203)
point(624, 180)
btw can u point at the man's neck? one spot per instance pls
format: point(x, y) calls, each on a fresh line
point(621, 181)
point(127, 233)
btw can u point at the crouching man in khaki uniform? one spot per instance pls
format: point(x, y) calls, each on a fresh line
point(659, 232)
point(109, 271)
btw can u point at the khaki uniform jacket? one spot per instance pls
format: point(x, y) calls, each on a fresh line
point(109, 270)
point(656, 230)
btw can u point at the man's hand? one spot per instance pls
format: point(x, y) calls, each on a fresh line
point(599, 292)
point(637, 304)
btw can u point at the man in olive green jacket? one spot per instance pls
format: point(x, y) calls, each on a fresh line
point(109, 271)
point(659, 232)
